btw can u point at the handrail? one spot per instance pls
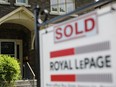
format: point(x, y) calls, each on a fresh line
point(31, 69)
point(31, 72)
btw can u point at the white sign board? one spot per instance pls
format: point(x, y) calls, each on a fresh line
point(80, 52)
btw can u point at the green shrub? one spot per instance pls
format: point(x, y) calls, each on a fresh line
point(9, 70)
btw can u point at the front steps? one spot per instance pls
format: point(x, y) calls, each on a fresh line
point(26, 83)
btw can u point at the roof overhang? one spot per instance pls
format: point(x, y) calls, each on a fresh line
point(20, 16)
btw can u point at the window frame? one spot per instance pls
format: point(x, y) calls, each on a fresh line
point(21, 3)
point(4, 2)
point(58, 6)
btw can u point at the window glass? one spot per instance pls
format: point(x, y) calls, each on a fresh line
point(62, 6)
point(7, 48)
point(54, 6)
point(96, 0)
point(70, 5)
point(22, 1)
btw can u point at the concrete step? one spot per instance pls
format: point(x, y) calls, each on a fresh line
point(26, 83)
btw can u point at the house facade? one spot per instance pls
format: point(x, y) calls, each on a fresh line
point(17, 31)
point(17, 27)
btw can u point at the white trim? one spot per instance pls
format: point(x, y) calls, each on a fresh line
point(5, 2)
point(22, 4)
point(65, 7)
point(55, 13)
point(26, 1)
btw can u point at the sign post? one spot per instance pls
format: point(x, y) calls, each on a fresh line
point(37, 13)
point(37, 48)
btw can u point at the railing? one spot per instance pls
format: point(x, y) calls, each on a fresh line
point(31, 72)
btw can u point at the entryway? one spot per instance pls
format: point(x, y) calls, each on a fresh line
point(13, 48)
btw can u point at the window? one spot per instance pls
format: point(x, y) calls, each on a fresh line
point(11, 47)
point(22, 1)
point(8, 48)
point(60, 7)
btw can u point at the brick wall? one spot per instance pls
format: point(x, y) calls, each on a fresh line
point(7, 8)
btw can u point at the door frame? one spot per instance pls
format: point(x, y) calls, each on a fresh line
point(17, 42)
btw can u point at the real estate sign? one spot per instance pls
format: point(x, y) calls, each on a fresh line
point(80, 52)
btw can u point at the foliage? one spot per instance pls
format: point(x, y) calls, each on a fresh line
point(9, 70)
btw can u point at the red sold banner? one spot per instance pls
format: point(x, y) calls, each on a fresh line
point(76, 28)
